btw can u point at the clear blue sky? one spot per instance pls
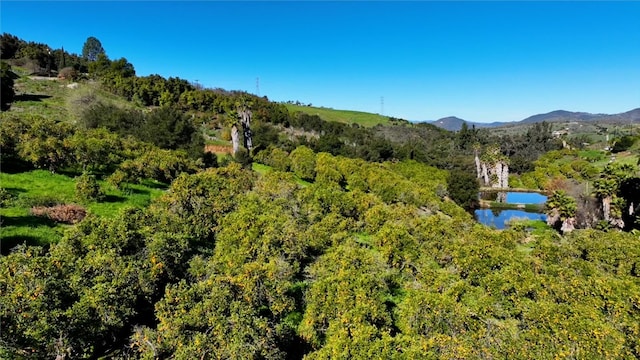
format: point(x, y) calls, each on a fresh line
point(481, 61)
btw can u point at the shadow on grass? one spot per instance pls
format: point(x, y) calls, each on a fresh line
point(138, 191)
point(30, 97)
point(27, 221)
point(8, 243)
point(15, 191)
point(154, 185)
point(114, 199)
point(11, 165)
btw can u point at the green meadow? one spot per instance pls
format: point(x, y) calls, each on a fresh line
point(37, 187)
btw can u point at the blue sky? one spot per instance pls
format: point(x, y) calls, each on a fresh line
point(481, 61)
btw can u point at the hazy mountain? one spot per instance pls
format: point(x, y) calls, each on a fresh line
point(561, 115)
point(453, 123)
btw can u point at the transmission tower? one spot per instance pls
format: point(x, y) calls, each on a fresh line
point(258, 86)
point(381, 105)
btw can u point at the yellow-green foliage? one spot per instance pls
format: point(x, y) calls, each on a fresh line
point(364, 262)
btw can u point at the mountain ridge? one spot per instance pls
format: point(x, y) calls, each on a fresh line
point(453, 123)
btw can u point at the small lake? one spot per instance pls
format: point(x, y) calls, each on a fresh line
point(512, 197)
point(499, 218)
point(525, 198)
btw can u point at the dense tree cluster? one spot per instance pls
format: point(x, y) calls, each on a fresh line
point(37, 57)
point(366, 261)
point(165, 127)
point(605, 199)
point(38, 142)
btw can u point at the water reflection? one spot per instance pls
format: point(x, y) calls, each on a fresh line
point(513, 197)
point(499, 218)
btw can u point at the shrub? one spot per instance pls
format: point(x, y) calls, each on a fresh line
point(278, 159)
point(623, 144)
point(6, 83)
point(158, 164)
point(65, 213)
point(463, 188)
point(210, 160)
point(68, 73)
point(88, 189)
point(303, 163)
point(6, 198)
point(243, 158)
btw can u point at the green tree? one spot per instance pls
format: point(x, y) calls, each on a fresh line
point(606, 189)
point(207, 320)
point(92, 48)
point(347, 294)
point(561, 211)
point(303, 163)
point(623, 144)
point(9, 45)
point(88, 189)
point(43, 144)
point(463, 188)
point(95, 149)
point(6, 85)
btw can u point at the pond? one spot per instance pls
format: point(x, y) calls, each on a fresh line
point(525, 198)
point(511, 197)
point(499, 218)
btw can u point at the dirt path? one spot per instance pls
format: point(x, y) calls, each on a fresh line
point(42, 78)
point(218, 149)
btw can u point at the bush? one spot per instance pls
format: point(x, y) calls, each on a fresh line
point(66, 213)
point(6, 198)
point(6, 83)
point(69, 73)
point(210, 160)
point(158, 164)
point(623, 144)
point(277, 158)
point(463, 188)
point(88, 189)
point(243, 158)
point(303, 163)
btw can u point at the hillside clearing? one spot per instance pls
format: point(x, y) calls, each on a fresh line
point(344, 116)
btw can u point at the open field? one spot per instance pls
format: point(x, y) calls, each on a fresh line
point(344, 116)
point(40, 186)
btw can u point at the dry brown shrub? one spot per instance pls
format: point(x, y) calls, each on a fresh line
point(557, 183)
point(65, 213)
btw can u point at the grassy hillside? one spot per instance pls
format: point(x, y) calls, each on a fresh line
point(343, 116)
point(58, 99)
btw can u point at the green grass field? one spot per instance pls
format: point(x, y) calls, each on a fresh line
point(37, 186)
point(344, 116)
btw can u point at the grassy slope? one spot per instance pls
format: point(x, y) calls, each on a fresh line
point(343, 116)
point(51, 98)
point(19, 226)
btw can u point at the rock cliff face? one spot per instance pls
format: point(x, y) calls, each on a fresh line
point(493, 168)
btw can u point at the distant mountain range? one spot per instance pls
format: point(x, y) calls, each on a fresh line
point(453, 123)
